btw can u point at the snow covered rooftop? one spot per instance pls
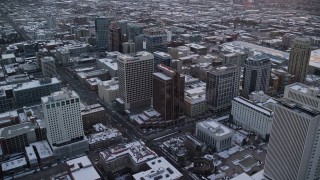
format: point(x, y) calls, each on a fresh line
point(159, 167)
point(104, 135)
point(82, 169)
point(6, 166)
point(215, 128)
point(43, 149)
point(252, 105)
point(162, 76)
point(137, 151)
point(59, 95)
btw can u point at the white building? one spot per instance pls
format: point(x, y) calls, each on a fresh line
point(255, 115)
point(63, 55)
point(63, 119)
point(159, 167)
point(135, 79)
point(108, 90)
point(294, 150)
point(195, 99)
point(82, 169)
point(109, 64)
point(214, 135)
point(48, 66)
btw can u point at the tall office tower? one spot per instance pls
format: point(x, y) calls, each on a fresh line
point(168, 93)
point(256, 75)
point(63, 119)
point(138, 41)
point(222, 86)
point(114, 38)
point(123, 24)
point(155, 40)
point(134, 29)
point(48, 66)
point(161, 58)
point(135, 79)
point(128, 47)
point(102, 27)
point(294, 150)
point(299, 59)
point(51, 22)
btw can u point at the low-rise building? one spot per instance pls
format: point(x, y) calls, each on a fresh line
point(92, 83)
point(133, 155)
point(108, 90)
point(92, 115)
point(109, 64)
point(9, 118)
point(14, 166)
point(195, 99)
point(82, 168)
point(103, 137)
point(214, 134)
point(159, 168)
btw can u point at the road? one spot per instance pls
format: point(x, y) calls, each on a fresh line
point(20, 31)
point(118, 121)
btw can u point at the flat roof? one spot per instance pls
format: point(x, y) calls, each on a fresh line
point(8, 56)
point(43, 149)
point(19, 129)
point(254, 106)
point(158, 167)
point(216, 128)
point(82, 169)
point(6, 166)
point(59, 95)
point(162, 76)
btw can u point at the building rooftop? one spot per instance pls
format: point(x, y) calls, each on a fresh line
point(162, 76)
point(33, 84)
point(142, 55)
point(19, 129)
point(137, 151)
point(215, 128)
point(8, 56)
point(59, 95)
point(110, 84)
point(253, 105)
point(82, 169)
point(107, 134)
point(111, 63)
point(6, 166)
point(43, 149)
point(159, 167)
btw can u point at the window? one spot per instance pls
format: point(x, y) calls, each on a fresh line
point(48, 106)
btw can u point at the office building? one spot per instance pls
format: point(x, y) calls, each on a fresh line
point(254, 115)
point(14, 139)
point(214, 135)
point(195, 99)
point(134, 29)
point(123, 24)
point(198, 49)
point(161, 58)
point(108, 90)
point(155, 40)
point(28, 93)
point(138, 42)
point(82, 168)
point(109, 64)
point(63, 56)
point(128, 47)
point(48, 66)
point(62, 115)
point(114, 38)
point(299, 59)
point(51, 22)
point(168, 93)
point(30, 49)
point(222, 86)
point(7, 59)
point(102, 27)
point(256, 75)
point(133, 155)
point(93, 114)
point(294, 150)
point(135, 79)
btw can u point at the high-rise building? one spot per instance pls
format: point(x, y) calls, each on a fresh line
point(123, 24)
point(128, 47)
point(134, 29)
point(51, 22)
point(48, 66)
point(256, 75)
point(294, 150)
point(62, 114)
point(135, 79)
point(222, 86)
point(168, 93)
point(162, 58)
point(138, 42)
point(155, 40)
point(299, 59)
point(102, 27)
point(114, 38)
